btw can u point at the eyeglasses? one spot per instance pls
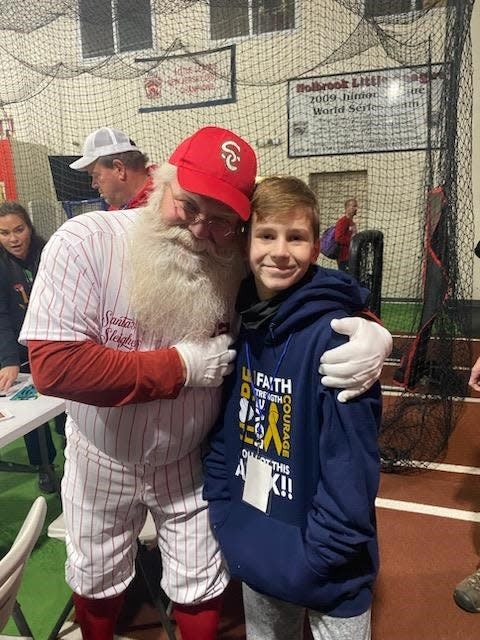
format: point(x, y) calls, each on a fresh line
point(189, 214)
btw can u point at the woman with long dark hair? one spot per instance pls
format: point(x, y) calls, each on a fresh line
point(20, 250)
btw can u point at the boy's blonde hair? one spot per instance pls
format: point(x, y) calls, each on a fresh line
point(276, 196)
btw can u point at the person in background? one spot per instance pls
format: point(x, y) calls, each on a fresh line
point(148, 340)
point(467, 592)
point(292, 475)
point(117, 167)
point(20, 249)
point(345, 229)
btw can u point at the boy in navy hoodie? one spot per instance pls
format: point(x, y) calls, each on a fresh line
point(292, 474)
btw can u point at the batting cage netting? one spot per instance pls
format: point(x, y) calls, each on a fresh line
point(365, 99)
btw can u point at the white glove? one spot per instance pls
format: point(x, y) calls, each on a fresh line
point(207, 362)
point(356, 365)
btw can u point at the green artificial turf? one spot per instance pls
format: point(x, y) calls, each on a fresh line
point(43, 592)
point(401, 317)
point(404, 318)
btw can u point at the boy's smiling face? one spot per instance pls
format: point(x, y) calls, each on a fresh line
point(280, 250)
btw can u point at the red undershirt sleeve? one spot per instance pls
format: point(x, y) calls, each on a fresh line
point(93, 374)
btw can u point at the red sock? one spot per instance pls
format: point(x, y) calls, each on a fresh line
point(97, 617)
point(199, 621)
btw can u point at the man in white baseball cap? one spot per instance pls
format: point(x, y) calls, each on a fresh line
point(118, 168)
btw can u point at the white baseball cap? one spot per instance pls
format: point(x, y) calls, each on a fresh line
point(103, 142)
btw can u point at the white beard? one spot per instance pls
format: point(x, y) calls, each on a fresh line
point(181, 287)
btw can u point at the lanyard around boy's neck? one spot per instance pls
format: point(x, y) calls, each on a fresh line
point(259, 426)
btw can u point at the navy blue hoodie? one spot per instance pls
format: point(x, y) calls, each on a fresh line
point(316, 546)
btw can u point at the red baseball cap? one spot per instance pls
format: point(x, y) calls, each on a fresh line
point(216, 163)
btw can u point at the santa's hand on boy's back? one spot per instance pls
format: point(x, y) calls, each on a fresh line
point(356, 365)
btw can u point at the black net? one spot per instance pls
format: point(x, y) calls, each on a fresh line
point(362, 98)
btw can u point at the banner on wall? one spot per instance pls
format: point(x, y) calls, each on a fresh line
point(189, 80)
point(374, 111)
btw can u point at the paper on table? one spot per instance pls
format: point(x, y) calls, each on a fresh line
point(5, 415)
point(27, 392)
point(23, 379)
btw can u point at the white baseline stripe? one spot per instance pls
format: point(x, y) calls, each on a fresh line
point(396, 392)
point(427, 509)
point(411, 337)
point(439, 466)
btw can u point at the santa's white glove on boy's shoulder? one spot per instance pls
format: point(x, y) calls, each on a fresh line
point(356, 365)
point(207, 362)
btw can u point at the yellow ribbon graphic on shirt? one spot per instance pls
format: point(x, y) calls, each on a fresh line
point(272, 430)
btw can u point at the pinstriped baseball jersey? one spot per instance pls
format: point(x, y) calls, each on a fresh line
point(80, 294)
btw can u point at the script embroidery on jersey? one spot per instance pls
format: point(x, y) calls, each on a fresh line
point(121, 331)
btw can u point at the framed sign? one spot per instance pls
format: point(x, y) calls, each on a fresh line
point(189, 80)
point(373, 111)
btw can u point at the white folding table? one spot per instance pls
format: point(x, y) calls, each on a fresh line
point(28, 415)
